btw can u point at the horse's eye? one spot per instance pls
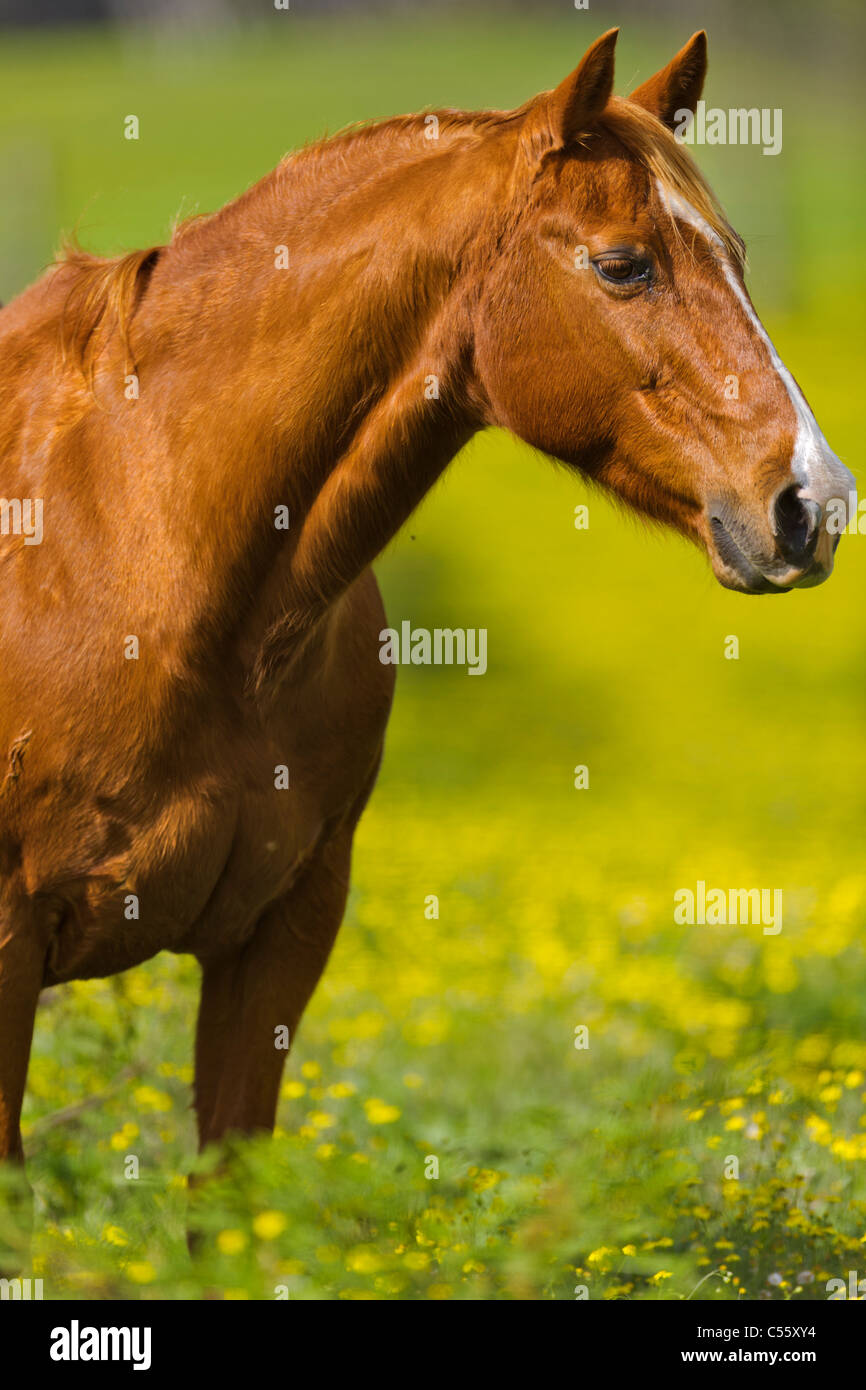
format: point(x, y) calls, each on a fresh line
point(620, 269)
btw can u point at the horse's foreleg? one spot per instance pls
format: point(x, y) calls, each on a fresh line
point(252, 1001)
point(22, 964)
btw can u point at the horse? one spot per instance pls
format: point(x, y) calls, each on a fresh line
point(223, 432)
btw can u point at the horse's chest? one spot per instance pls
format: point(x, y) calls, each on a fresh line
point(195, 874)
point(189, 855)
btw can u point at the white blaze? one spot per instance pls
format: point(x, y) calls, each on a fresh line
point(821, 475)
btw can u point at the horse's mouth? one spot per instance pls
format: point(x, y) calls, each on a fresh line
point(733, 567)
point(736, 568)
point(796, 550)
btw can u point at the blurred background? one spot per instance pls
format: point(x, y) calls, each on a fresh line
point(453, 1036)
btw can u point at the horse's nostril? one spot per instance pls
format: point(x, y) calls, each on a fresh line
point(795, 522)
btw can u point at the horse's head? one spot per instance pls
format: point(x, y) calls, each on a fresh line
point(615, 332)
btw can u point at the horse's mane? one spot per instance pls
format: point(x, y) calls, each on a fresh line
point(106, 290)
point(102, 290)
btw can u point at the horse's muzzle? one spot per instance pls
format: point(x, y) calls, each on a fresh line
point(796, 552)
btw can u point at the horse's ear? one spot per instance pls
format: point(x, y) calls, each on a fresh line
point(676, 88)
point(560, 116)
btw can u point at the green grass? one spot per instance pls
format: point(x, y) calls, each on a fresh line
point(601, 1168)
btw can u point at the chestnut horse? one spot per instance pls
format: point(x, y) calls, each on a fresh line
point(224, 432)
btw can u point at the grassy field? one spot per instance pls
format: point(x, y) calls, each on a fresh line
point(560, 1169)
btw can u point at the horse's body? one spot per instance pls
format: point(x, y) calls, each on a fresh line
point(140, 805)
point(278, 355)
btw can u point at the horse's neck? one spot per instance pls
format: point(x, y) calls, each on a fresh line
point(368, 371)
point(399, 450)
